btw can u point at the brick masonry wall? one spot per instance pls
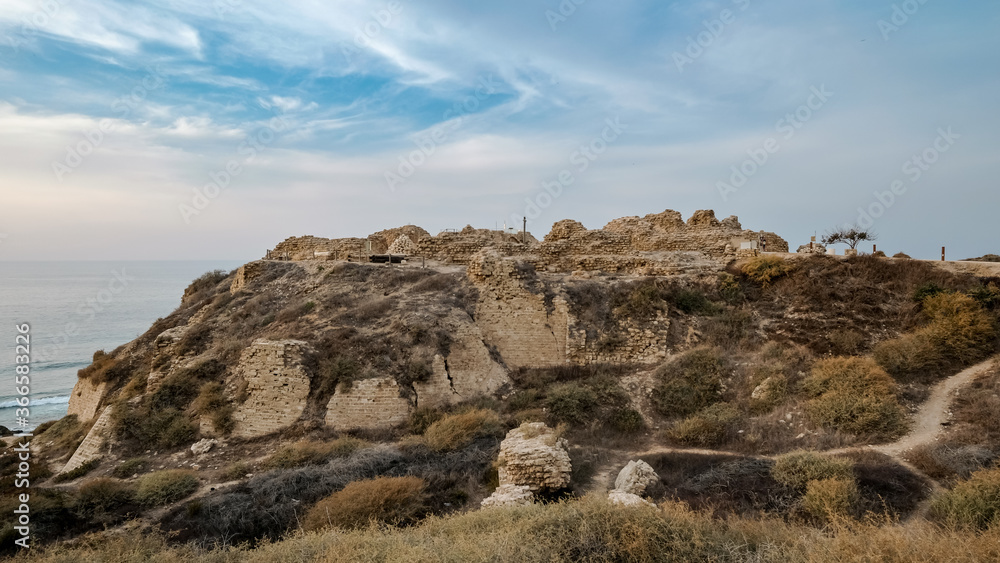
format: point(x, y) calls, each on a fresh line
point(278, 386)
point(85, 399)
point(92, 446)
point(370, 403)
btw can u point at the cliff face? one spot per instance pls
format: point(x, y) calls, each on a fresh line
point(314, 340)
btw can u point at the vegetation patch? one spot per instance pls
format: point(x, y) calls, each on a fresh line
point(797, 469)
point(165, 487)
point(854, 395)
point(313, 453)
point(457, 431)
point(390, 500)
point(973, 504)
point(689, 383)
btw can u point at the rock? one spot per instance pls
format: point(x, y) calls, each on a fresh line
point(534, 456)
point(403, 245)
point(816, 249)
point(635, 477)
point(204, 446)
point(509, 495)
point(627, 499)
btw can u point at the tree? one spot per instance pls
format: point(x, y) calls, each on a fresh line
point(849, 236)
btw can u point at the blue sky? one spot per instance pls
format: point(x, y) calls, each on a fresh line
point(118, 120)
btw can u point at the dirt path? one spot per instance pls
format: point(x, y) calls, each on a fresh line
point(927, 427)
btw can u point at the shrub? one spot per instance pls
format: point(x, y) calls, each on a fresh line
point(730, 328)
point(98, 370)
point(102, 495)
point(708, 427)
point(987, 296)
point(626, 420)
point(236, 471)
point(902, 255)
point(129, 467)
point(65, 435)
point(730, 289)
point(393, 500)
point(945, 461)
point(974, 503)
point(78, 472)
point(212, 402)
point(456, 431)
point(797, 469)
point(929, 289)
point(831, 499)
point(689, 383)
point(313, 453)
point(763, 270)
point(853, 395)
point(846, 342)
point(165, 487)
point(571, 402)
point(422, 418)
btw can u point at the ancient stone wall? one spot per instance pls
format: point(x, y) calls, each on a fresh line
point(525, 329)
point(86, 398)
point(369, 403)
point(277, 384)
point(93, 445)
point(313, 248)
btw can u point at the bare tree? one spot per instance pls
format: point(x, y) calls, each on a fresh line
point(849, 236)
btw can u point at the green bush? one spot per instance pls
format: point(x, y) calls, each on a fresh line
point(763, 270)
point(165, 487)
point(831, 499)
point(422, 418)
point(974, 503)
point(212, 402)
point(102, 495)
point(78, 472)
point(313, 453)
point(707, 428)
point(392, 500)
point(689, 383)
point(797, 469)
point(853, 395)
point(571, 402)
point(129, 467)
point(456, 431)
point(626, 421)
point(929, 289)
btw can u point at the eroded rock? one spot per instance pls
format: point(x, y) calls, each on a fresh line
point(534, 456)
point(635, 477)
point(509, 495)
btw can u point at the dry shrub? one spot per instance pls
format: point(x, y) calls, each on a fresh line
point(393, 500)
point(130, 467)
point(571, 402)
point(212, 402)
point(456, 431)
point(959, 332)
point(165, 487)
point(102, 495)
point(797, 469)
point(707, 428)
point(948, 461)
point(731, 328)
point(97, 371)
point(313, 453)
point(854, 395)
point(236, 471)
point(974, 503)
point(689, 383)
point(846, 342)
point(763, 270)
point(62, 437)
point(831, 499)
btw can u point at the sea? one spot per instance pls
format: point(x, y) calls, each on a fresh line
point(73, 309)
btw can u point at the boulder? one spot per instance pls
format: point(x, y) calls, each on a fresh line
point(403, 246)
point(627, 499)
point(536, 457)
point(204, 446)
point(509, 495)
point(635, 477)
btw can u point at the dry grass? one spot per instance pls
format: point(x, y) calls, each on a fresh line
point(854, 395)
point(393, 500)
point(165, 487)
point(312, 453)
point(457, 431)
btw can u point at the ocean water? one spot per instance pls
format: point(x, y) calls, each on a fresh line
point(75, 309)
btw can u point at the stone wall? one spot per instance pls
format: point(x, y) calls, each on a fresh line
point(306, 248)
point(277, 384)
point(525, 329)
point(369, 403)
point(86, 398)
point(93, 445)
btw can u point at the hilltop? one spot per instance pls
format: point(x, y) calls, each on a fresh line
point(301, 375)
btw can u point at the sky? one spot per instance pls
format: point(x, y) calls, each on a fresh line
point(213, 129)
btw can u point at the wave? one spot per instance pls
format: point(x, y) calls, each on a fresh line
point(59, 365)
point(36, 402)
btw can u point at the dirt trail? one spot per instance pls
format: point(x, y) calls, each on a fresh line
point(927, 427)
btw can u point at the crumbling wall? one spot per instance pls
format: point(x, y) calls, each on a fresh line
point(524, 328)
point(86, 398)
point(277, 385)
point(369, 403)
point(312, 248)
point(93, 445)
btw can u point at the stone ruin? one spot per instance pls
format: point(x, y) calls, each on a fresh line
point(632, 482)
point(532, 459)
point(657, 244)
